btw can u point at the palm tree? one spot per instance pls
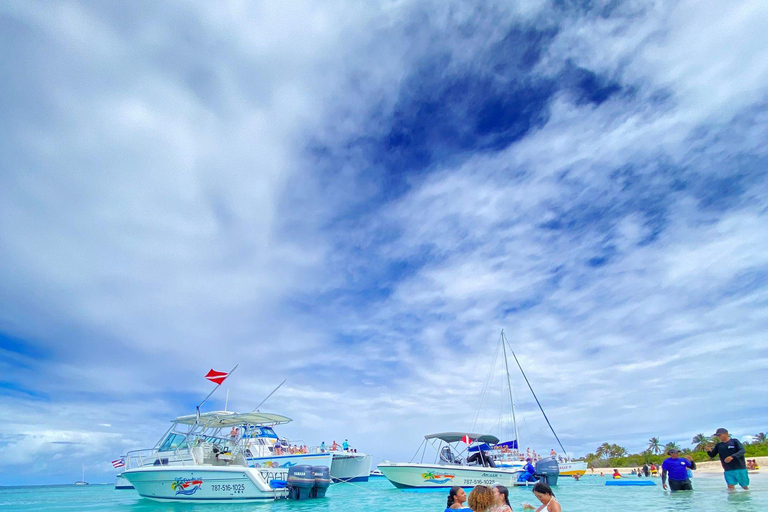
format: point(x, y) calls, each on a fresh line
point(618, 451)
point(671, 446)
point(604, 450)
point(761, 438)
point(701, 441)
point(654, 445)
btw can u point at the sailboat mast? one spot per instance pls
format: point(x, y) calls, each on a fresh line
point(509, 387)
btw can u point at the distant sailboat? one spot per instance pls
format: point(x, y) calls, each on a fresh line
point(82, 482)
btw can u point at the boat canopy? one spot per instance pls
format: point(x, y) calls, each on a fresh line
point(454, 437)
point(232, 419)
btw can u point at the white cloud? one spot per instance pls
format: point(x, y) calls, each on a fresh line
point(165, 216)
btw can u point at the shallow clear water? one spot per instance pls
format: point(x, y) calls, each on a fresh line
point(588, 494)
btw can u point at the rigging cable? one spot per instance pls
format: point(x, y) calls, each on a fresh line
point(534, 395)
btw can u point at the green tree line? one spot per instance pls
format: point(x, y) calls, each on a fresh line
point(612, 455)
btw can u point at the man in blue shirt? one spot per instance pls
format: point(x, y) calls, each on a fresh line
point(530, 473)
point(345, 445)
point(731, 453)
point(677, 469)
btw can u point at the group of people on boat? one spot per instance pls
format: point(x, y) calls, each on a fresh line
point(289, 449)
point(483, 498)
point(335, 447)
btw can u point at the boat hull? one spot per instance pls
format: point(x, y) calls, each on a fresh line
point(350, 467)
point(288, 461)
point(573, 468)
point(435, 476)
point(206, 484)
point(122, 483)
point(566, 468)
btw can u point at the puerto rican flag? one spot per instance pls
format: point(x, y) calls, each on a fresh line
point(118, 463)
point(216, 377)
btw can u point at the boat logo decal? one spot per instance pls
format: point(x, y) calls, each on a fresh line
point(274, 464)
point(436, 478)
point(186, 486)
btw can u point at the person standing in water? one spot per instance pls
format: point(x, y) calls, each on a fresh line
point(501, 499)
point(731, 453)
point(456, 499)
point(481, 499)
point(544, 494)
point(677, 469)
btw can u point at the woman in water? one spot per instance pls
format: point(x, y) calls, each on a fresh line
point(544, 494)
point(481, 499)
point(501, 499)
point(456, 499)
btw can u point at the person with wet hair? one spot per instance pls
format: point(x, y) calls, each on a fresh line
point(456, 499)
point(481, 499)
point(544, 494)
point(501, 499)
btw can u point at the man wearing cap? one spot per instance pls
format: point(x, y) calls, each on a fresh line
point(731, 453)
point(677, 469)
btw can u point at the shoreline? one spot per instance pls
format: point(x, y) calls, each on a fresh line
point(708, 467)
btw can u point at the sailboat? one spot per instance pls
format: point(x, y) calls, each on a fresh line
point(457, 451)
point(82, 482)
point(508, 454)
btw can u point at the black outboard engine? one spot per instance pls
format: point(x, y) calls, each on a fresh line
point(322, 481)
point(300, 482)
point(547, 471)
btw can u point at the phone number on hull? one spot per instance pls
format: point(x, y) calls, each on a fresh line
point(236, 488)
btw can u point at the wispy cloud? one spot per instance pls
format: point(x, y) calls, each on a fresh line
point(360, 202)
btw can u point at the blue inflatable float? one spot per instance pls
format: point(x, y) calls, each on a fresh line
point(628, 483)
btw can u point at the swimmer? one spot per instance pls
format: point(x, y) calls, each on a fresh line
point(544, 494)
point(456, 499)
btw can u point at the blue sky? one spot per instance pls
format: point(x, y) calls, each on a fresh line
point(357, 197)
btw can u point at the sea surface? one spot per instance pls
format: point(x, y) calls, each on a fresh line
point(588, 494)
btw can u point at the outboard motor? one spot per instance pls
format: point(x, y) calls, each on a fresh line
point(322, 481)
point(300, 482)
point(547, 471)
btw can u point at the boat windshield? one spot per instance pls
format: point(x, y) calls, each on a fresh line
point(173, 442)
point(254, 432)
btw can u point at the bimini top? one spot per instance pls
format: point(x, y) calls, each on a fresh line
point(231, 419)
point(454, 437)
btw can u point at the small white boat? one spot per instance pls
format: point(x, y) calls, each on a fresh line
point(376, 473)
point(450, 470)
point(198, 461)
point(82, 482)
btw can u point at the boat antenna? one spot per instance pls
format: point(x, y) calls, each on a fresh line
point(269, 395)
point(226, 402)
point(214, 389)
point(535, 397)
point(509, 387)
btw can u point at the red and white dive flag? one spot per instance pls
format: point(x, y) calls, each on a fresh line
point(216, 377)
point(118, 463)
point(466, 439)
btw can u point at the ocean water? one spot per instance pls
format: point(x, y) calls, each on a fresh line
point(378, 495)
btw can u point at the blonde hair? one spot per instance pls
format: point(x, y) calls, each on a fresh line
point(480, 499)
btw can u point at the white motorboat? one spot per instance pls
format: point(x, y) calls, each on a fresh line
point(198, 461)
point(254, 436)
point(450, 469)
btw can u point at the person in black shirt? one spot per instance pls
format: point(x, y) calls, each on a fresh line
point(731, 453)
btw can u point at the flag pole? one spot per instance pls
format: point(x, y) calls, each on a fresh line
point(214, 389)
point(269, 395)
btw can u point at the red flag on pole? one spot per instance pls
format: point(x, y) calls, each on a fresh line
point(466, 439)
point(216, 377)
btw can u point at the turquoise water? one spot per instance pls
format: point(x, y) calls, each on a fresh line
point(378, 495)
